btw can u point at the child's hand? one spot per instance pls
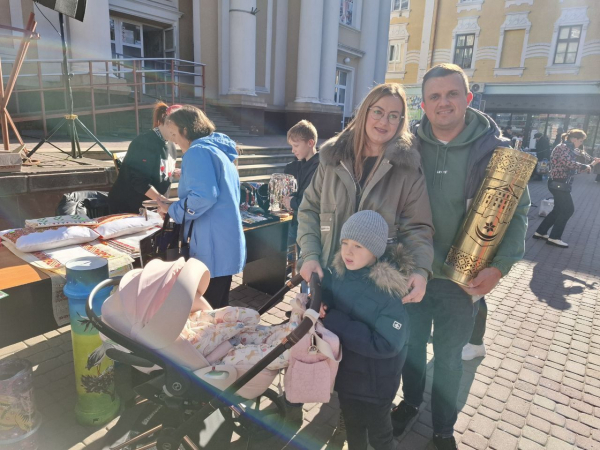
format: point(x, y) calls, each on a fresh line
point(323, 311)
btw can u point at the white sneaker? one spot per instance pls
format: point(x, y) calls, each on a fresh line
point(471, 351)
point(557, 243)
point(537, 235)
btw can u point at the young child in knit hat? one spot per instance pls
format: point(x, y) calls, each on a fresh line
point(362, 296)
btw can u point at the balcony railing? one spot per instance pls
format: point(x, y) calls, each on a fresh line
point(103, 87)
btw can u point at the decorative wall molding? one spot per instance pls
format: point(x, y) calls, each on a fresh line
point(440, 56)
point(412, 57)
point(591, 48)
point(399, 31)
point(509, 71)
point(516, 21)
point(487, 53)
point(467, 25)
point(352, 51)
point(573, 16)
point(517, 3)
point(466, 5)
point(539, 50)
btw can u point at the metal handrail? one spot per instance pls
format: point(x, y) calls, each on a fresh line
point(117, 73)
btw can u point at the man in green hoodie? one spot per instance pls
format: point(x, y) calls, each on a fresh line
point(457, 143)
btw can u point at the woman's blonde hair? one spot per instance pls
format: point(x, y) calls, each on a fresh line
point(358, 123)
point(574, 133)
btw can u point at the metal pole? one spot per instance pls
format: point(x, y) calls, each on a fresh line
point(67, 75)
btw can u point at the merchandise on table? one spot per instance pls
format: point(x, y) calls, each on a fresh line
point(40, 239)
point(281, 185)
point(131, 224)
point(77, 219)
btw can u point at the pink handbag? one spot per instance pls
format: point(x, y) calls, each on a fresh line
point(313, 365)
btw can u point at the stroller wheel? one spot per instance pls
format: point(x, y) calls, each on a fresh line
point(259, 418)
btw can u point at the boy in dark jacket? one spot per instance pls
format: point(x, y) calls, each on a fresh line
point(362, 296)
point(303, 139)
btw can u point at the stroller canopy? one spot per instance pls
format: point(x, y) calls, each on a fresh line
point(152, 305)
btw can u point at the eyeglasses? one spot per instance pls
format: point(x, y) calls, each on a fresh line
point(377, 114)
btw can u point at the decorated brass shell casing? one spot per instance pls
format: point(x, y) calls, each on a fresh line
point(477, 241)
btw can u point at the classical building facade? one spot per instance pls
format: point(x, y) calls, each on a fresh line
point(268, 63)
point(532, 64)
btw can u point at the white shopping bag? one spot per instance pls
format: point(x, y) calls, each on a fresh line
point(546, 206)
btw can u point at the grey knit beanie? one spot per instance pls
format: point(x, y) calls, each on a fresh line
point(369, 229)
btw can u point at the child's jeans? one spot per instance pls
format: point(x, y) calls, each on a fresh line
point(362, 417)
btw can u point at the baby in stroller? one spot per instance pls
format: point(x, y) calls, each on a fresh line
point(153, 306)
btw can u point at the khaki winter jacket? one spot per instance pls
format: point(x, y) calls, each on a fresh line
point(397, 191)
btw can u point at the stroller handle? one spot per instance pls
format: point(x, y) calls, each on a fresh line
point(136, 349)
point(315, 292)
point(289, 285)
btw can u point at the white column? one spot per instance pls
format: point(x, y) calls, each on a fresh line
point(242, 47)
point(309, 51)
point(90, 39)
point(426, 39)
point(197, 46)
point(382, 42)
point(365, 77)
point(281, 21)
point(331, 23)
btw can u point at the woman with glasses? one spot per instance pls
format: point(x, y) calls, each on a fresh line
point(371, 165)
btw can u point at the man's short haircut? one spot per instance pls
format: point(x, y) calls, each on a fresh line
point(304, 131)
point(537, 135)
point(443, 70)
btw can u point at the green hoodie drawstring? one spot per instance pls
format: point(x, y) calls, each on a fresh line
point(437, 157)
point(444, 167)
point(436, 171)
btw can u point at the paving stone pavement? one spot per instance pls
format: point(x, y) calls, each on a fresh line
point(538, 387)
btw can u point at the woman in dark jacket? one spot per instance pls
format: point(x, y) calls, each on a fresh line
point(147, 170)
point(564, 168)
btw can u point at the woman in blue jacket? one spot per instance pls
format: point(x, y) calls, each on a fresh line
point(211, 186)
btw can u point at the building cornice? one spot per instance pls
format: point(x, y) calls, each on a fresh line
point(351, 50)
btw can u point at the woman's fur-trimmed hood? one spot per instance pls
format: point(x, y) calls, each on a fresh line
point(402, 152)
point(390, 273)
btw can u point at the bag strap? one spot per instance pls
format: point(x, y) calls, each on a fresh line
point(164, 227)
point(183, 243)
point(325, 349)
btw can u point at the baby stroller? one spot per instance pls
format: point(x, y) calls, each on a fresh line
point(181, 405)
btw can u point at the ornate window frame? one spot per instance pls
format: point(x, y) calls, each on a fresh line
point(513, 21)
point(467, 25)
point(568, 17)
point(466, 5)
point(398, 35)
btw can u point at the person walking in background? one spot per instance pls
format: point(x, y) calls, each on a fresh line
point(558, 138)
point(542, 146)
point(564, 168)
point(303, 139)
point(209, 198)
point(147, 170)
point(457, 143)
